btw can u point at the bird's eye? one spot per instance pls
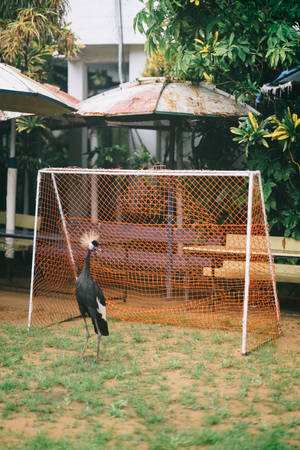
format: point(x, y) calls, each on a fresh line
point(95, 243)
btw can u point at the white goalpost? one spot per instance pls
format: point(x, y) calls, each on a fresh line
point(188, 248)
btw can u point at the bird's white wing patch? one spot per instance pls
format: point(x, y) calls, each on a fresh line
point(101, 309)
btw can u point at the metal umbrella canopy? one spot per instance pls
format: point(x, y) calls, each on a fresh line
point(19, 95)
point(154, 102)
point(160, 103)
point(22, 94)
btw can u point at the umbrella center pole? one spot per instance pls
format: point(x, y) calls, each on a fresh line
point(11, 194)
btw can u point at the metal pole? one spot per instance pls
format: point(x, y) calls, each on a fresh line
point(269, 247)
point(172, 145)
point(64, 225)
point(11, 192)
point(94, 187)
point(169, 245)
point(179, 147)
point(120, 39)
point(247, 268)
point(179, 210)
point(34, 247)
point(158, 145)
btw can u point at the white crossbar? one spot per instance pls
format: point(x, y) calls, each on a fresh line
point(152, 172)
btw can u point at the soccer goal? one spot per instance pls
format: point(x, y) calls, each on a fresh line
point(187, 248)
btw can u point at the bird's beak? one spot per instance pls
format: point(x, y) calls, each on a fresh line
point(98, 249)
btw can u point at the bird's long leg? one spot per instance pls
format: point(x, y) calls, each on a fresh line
point(87, 338)
point(99, 337)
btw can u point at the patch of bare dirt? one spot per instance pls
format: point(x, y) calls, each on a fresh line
point(14, 308)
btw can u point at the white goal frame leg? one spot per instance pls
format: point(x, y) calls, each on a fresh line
point(247, 265)
point(269, 248)
point(64, 225)
point(34, 247)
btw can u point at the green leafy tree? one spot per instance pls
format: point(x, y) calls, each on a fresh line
point(37, 147)
point(32, 33)
point(119, 156)
point(250, 132)
point(237, 44)
point(270, 140)
point(281, 188)
point(287, 132)
point(33, 30)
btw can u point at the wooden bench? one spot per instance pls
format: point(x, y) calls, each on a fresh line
point(235, 269)
point(23, 234)
point(126, 250)
point(134, 250)
point(140, 245)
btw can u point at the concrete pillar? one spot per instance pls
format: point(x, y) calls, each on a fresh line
point(77, 86)
point(77, 79)
point(137, 59)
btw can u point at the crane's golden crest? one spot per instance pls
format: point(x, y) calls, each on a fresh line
point(88, 237)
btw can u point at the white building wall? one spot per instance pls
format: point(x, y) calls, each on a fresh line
point(77, 79)
point(95, 21)
point(96, 24)
point(137, 59)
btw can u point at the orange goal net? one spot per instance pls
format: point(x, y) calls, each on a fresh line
point(187, 248)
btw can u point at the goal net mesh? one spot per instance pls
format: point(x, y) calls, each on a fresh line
point(174, 248)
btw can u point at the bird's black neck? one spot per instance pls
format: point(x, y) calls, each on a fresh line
point(86, 268)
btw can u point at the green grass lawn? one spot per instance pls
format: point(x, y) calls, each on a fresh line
point(155, 387)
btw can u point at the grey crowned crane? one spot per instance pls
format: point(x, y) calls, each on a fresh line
point(90, 298)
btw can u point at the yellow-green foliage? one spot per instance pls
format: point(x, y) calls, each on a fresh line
point(157, 65)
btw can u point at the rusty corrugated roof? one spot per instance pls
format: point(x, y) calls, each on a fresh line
point(57, 118)
point(22, 94)
point(65, 96)
point(159, 96)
